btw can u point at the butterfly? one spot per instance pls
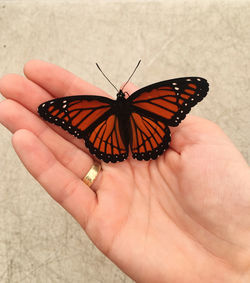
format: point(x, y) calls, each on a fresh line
point(139, 123)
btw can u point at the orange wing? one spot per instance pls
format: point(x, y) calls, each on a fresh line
point(105, 141)
point(157, 106)
point(90, 118)
point(169, 101)
point(76, 114)
point(149, 137)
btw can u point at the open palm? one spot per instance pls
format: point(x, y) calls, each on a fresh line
point(183, 217)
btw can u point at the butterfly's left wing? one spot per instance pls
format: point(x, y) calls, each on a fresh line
point(157, 106)
point(91, 118)
point(76, 114)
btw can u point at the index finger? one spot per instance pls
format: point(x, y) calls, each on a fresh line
point(58, 81)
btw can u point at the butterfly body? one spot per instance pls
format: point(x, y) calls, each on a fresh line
point(139, 123)
point(122, 110)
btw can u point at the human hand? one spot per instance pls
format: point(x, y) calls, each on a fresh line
point(183, 217)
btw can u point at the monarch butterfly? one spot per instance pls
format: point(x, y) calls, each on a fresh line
point(140, 122)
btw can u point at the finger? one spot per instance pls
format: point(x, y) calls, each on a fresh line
point(58, 81)
point(129, 88)
point(64, 186)
point(15, 117)
point(30, 95)
point(22, 90)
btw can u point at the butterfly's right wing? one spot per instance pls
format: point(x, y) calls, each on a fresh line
point(169, 101)
point(157, 106)
point(91, 118)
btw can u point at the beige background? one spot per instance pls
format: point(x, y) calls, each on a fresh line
point(39, 241)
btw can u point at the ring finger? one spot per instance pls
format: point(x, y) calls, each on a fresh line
point(14, 117)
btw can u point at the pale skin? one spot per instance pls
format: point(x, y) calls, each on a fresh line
point(184, 217)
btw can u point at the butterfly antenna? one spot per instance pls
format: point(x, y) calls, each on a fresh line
point(106, 77)
point(131, 74)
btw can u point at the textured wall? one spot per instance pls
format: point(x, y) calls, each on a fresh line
point(39, 242)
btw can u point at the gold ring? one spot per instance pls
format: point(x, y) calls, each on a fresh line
point(92, 174)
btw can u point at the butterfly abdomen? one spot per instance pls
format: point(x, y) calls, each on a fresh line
point(122, 110)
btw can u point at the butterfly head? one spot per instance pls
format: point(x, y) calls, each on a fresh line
point(120, 94)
